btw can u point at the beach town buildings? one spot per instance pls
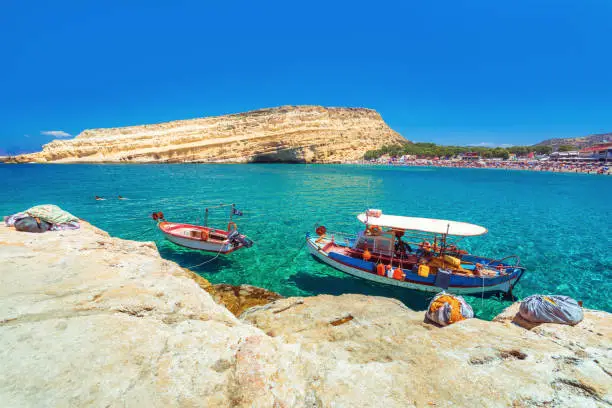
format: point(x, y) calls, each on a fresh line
point(570, 156)
point(600, 152)
point(470, 156)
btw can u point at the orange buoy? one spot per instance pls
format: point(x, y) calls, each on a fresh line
point(155, 216)
point(160, 215)
point(321, 230)
point(204, 235)
point(366, 255)
point(398, 274)
point(380, 270)
point(231, 226)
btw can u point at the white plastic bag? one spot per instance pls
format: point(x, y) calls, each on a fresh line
point(551, 309)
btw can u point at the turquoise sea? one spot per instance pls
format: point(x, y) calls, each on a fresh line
point(559, 224)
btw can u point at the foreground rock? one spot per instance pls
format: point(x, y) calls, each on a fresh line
point(284, 134)
point(88, 320)
point(376, 351)
point(91, 320)
point(590, 339)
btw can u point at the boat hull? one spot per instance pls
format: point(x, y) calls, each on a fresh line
point(179, 234)
point(199, 245)
point(470, 286)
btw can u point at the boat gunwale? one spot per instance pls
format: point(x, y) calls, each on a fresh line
point(482, 279)
point(168, 227)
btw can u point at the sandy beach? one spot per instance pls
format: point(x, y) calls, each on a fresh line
point(548, 166)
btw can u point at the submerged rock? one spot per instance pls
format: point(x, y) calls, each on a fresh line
point(237, 299)
point(86, 319)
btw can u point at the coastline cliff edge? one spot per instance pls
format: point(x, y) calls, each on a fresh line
point(87, 319)
point(292, 134)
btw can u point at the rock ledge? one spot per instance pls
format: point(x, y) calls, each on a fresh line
point(86, 319)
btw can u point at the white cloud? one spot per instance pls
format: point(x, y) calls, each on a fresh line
point(26, 136)
point(489, 144)
point(482, 144)
point(55, 133)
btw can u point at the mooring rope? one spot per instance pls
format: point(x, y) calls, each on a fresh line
point(133, 238)
point(482, 294)
point(205, 262)
point(292, 259)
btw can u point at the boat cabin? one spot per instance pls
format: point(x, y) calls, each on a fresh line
point(407, 241)
point(383, 244)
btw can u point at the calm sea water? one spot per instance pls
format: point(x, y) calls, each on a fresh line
point(559, 224)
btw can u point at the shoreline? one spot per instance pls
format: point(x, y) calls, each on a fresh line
point(550, 167)
point(560, 168)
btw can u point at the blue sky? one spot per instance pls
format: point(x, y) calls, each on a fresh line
point(452, 72)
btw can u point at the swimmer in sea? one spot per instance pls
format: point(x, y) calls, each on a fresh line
point(98, 198)
point(122, 198)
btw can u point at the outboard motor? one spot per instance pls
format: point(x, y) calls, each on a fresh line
point(238, 239)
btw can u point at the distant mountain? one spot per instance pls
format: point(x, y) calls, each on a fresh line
point(578, 142)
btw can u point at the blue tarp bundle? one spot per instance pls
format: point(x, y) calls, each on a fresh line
point(551, 309)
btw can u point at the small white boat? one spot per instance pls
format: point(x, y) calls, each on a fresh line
point(204, 238)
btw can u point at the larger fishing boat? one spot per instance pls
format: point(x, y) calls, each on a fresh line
point(415, 253)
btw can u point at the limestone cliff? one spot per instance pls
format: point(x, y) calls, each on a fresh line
point(283, 134)
point(90, 320)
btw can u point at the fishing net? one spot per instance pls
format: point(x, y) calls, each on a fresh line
point(447, 309)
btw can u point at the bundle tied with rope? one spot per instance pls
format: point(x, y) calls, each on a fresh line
point(446, 309)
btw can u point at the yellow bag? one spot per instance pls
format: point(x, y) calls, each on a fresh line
point(423, 271)
point(452, 261)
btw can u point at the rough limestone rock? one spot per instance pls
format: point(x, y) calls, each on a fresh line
point(283, 134)
point(376, 352)
point(591, 338)
point(89, 320)
point(86, 319)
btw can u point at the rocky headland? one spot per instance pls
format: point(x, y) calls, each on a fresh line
point(303, 134)
point(91, 320)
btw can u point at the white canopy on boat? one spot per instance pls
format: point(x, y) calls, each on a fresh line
point(431, 225)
